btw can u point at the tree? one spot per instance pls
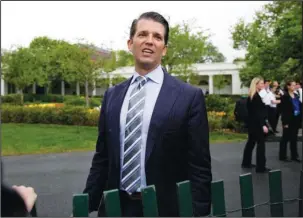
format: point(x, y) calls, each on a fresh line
point(118, 79)
point(213, 55)
point(273, 42)
point(87, 66)
point(220, 81)
point(57, 59)
point(124, 58)
point(22, 67)
point(239, 59)
point(186, 48)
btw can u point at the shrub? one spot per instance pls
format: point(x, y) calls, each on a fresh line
point(215, 120)
point(16, 98)
point(217, 103)
point(50, 115)
point(11, 99)
point(43, 98)
point(80, 101)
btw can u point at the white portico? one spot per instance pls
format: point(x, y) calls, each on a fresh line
point(206, 70)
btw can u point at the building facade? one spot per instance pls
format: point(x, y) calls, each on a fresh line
point(206, 73)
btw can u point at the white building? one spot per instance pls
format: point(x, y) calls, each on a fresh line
point(205, 71)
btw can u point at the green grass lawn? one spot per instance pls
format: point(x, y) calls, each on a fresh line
point(18, 139)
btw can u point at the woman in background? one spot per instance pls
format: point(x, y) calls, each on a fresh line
point(291, 120)
point(257, 126)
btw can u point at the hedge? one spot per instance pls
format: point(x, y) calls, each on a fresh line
point(73, 113)
point(15, 99)
point(67, 115)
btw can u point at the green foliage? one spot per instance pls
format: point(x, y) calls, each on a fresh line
point(220, 81)
point(124, 58)
point(118, 79)
point(14, 99)
point(217, 103)
point(68, 115)
point(186, 48)
point(80, 101)
point(22, 68)
point(215, 123)
point(273, 42)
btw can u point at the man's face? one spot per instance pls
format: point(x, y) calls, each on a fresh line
point(298, 86)
point(147, 45)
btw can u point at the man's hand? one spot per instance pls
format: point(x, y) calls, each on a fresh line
point(28, 194)
point(285, 126)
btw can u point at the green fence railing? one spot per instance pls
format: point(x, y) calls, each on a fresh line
point(150, 208)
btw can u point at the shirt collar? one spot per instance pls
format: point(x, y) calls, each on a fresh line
point(155, 75)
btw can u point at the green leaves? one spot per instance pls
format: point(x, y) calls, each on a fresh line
point(273, 42)
point(186, 47)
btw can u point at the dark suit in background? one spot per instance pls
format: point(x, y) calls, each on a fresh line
point(290, 134)
point(257, 116)
point(177, 149)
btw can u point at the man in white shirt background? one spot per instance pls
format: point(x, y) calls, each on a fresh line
point(299, 90)
point(271, 104)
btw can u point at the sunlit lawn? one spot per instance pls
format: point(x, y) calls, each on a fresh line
point(20, 139)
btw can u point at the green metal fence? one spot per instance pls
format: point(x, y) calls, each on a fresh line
point(150, 209)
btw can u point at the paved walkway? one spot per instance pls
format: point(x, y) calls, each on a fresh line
point(57, 177)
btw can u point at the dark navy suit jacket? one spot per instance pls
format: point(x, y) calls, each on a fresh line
point(177, 147)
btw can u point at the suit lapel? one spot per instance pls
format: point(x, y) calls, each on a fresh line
point(115, 110)
point(167, 96)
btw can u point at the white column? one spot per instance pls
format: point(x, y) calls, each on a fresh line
point(34, 88)
point(94, 88)
point(2, 87)
point(210, 84)
point(78, 88)
point(236, 83)
point(62, 88)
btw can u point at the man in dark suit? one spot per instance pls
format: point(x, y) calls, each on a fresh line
point(153, 130)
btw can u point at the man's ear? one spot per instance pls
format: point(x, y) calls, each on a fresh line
point(130, 45)
point(164, 50)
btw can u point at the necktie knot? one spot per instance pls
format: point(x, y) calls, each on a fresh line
point(141, 80)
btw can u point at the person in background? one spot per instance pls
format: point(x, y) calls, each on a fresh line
point(257, 127)
point(291, 120)
point(16, 201)
point(278, 93)
point(271, 103)
point(299, 90)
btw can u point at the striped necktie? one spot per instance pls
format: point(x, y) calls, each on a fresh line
point(131, 169)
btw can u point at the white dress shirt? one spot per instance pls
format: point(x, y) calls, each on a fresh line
point(152, 89)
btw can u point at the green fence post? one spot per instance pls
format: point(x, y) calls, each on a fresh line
point(247, 196)
point(301, 194)
point(112, 203)
point(275, 193)
point(185, 199)
point(149, 201)
point(218, 198)
point(80, 205)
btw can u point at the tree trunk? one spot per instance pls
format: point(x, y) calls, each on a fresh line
point(22, 97)
point(86, 93)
